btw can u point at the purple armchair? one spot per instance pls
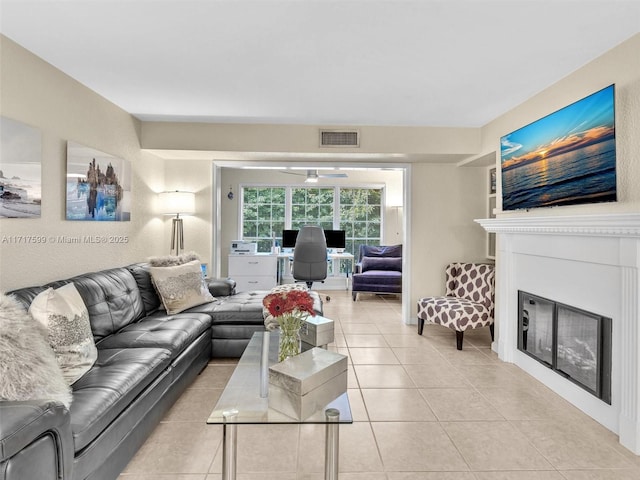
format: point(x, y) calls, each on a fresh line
point(378, 270)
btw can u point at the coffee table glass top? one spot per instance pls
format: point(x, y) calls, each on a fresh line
point(242, 393)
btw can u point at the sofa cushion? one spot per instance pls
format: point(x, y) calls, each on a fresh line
point(377, 281)
point(112, 299)
point(150, 299)
point(105, 391)
point(159, 330)
point(382, 263)
point(456, 313)
point(242, 308)
point(111, 296)
point(379, 251)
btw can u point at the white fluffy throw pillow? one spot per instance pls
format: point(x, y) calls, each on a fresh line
point(173, 260)
point(63, 313)
point(180, 286)
point(28, 366)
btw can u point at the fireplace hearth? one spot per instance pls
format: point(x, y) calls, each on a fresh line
point(574, 343)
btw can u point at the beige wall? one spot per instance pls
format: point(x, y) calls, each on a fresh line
point(35, 93)
point(621, 66)
point(192, 176)
point(305, 138)
point(444, 202)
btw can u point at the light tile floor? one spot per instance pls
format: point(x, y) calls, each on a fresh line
point(422, 411)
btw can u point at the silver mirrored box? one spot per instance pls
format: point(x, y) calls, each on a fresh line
point(301, 385)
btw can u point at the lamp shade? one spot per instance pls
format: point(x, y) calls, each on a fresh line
point(176, 202)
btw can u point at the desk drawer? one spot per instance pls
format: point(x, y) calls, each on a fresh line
point(249, 283)
point(254, 265)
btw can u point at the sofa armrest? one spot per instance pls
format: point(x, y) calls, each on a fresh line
point(221, 287)
point(35, 436)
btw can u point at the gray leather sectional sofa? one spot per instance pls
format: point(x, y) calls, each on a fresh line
point(146, 359)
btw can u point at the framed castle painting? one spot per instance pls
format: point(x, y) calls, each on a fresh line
point(98, 185)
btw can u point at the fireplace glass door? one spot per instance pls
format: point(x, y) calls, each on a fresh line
point(536, 327)
point(579, 345)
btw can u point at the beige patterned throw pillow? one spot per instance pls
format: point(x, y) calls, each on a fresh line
point(63, 313)
point(180, 286)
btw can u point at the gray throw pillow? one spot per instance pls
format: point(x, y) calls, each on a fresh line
point(28, 366)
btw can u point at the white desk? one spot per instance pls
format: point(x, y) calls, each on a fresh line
point(335, 258)
point(263, 271)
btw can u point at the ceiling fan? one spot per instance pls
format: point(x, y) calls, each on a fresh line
point(313, 175)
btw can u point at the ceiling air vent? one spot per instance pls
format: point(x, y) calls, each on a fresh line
point(339, 138)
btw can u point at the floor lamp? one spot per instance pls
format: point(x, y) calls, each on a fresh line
point(177, 203)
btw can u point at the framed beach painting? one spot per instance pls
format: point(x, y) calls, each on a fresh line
point(98, 185)
point(20, 170)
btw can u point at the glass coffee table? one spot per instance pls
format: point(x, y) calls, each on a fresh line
point(245, 400)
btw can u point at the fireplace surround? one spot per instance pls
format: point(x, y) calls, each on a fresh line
point(591, 262)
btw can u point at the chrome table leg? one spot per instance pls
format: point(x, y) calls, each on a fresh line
point(331, 444)
point(229, 445)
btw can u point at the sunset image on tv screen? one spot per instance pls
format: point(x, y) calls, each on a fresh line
point(565, 158)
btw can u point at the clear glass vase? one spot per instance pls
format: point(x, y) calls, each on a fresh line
point(290, 342)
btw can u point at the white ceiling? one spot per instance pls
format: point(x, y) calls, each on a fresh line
point(458, 63)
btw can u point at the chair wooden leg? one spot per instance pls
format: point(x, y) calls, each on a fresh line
point(492, 330)
point(420, 325)
point(459, 336)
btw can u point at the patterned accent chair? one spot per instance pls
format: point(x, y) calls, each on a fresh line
point(468, 301)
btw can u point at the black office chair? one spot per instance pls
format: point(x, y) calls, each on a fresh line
point(310, 256)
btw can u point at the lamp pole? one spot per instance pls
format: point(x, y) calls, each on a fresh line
point(177, 235)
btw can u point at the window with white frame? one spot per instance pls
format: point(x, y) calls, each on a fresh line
point(312, 206)
point(263, 215)
point(267, 210)
point(361, 217)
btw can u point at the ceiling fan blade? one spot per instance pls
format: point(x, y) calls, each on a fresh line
point(315, 174)
point(333, 175)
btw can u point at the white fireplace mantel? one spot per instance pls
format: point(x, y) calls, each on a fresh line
point(609, 225)
point(588, 261)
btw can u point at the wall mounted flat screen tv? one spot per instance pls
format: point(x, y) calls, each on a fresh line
point(334, 238)
point(565, 158)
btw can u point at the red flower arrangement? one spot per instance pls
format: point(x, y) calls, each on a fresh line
point(289, 308)
point(288, 302)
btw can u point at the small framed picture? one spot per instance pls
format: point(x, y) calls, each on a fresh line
point(492, 181)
